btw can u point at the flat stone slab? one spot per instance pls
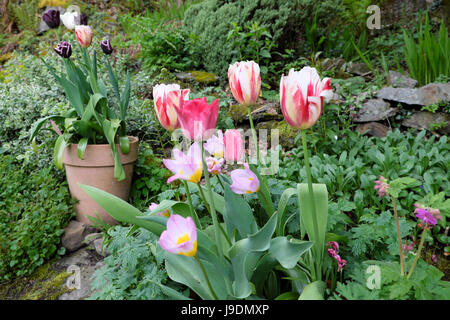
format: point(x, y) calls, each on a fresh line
point(374, 129)
point(398, 80)
point(375, 110)
point(424, 120)
point(424, 96)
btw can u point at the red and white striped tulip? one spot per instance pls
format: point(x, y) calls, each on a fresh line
point(245, 81)
point(84, 35)
point(166, 98)
point(301, 96)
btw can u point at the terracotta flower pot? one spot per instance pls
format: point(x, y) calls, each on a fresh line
point(97, 170)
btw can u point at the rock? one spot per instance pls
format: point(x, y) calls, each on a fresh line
point(424, 96)
point(374, 129)
point(82, 263)
point(42, 25)
point(98, 244)
point(333, 64)
point(374, 110)
point(74, 235)
point(398, 80)
point(267, 112)
point(360, 69)
point(201, 77)
point(92, 237)
point(425, 120)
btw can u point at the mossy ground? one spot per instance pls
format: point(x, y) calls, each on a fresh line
point(44, 284)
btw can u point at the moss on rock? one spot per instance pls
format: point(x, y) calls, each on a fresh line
point(287, 133)
point(44, 284)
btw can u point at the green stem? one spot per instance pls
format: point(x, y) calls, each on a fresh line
point(212, 206)
point(313, 202)
point(221, 184)
point(417, 254)
point(202, 194)
point(191, 207)
point(255, 138)
point(399, 238)
point(206, 277)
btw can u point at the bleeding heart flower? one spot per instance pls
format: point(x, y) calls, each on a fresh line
point(245, 81)
point(186, 167)
point(180, 236)
point(166, 99)
point(382, 186)
point(301, 97)
point(84, 35)
point(244, 181)
point(197, 118)
point(165, 213)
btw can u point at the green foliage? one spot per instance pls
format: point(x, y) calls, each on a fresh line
point(34, 209)
point(133, 269)
point(150, 178)
point(25, 14)
point(212, 21)
point(428, 58)
point(425, 283)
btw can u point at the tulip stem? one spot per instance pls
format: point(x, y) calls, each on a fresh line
point(206, 277)
point(212, 206)
point(399, 237)
point(255, 138)
point(313, 202)
point(202, 194)
point(419, 250)
point(191, 207)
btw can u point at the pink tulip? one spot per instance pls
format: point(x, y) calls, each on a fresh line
point(214, 165)
point(186, 167)
point(197, 118)
point(215, 146)
point(165, 213)
point(84, 35)
point(245, 81)
point(301, 97)
point(234, 146)
point(166, 98)
point(244, 181)
point(180, 236)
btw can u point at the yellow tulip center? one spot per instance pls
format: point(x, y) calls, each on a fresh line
point(184, 238)
point(196, 176)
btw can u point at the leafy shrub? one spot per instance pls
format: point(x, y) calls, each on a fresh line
point(212, 20)
point(150, 178)
point(34, 209)
point(24, 14)
point(133, 270)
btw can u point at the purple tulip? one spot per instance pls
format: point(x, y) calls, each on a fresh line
point(83, 20)
point(244, 181)
point(51, 18)
point(105, 44)
point(64, 49)
point(180, 236)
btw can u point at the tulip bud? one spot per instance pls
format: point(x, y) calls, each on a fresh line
point(105, 44)
point(245, 81)
point(166, 99)
point(245, 181)
point(83, 19)
point(69, 19)
point(180, 237)
point(84, 35)
point(301, 97)
point(64, 49)
point(51, 18)
point(234, 146)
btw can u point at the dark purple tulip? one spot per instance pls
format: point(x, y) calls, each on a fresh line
point(51, 18)
point(64, 49)
point(83, 19)
point(106, 46)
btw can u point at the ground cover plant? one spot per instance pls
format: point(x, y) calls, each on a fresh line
point(340, 209)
